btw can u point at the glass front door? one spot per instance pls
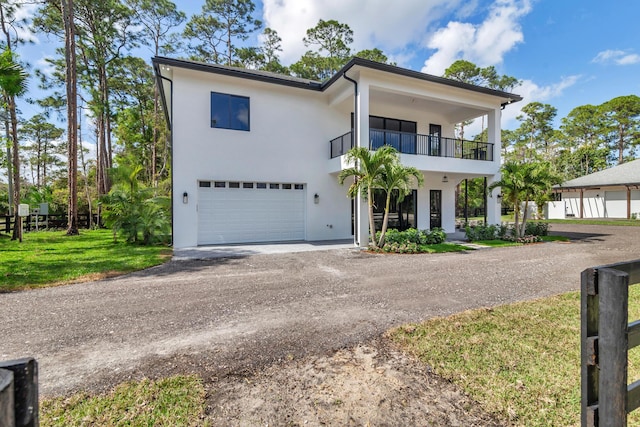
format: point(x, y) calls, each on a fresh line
point(435, 209)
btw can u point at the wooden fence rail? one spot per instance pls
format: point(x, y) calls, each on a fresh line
point(39, 222)
point(606, 337)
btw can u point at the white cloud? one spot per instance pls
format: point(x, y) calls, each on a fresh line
point(530, 92)
point(24, 13)
point(618, 57)
point(483, 44)
point(375, 23)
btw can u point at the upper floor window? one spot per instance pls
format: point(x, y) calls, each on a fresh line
point(229, 111)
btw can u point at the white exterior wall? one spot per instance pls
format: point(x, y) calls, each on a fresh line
point(288, 142)
point(610, 203)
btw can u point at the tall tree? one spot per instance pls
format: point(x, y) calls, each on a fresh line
point(218, 27)
point(44, 154)
point(537, 128)
point(622, 118)
point(331, 40)
point(158, 19)
point(13, 84)
point(67, 8)
point(583, 138)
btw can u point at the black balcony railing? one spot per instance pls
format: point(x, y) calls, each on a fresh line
point(412, 143)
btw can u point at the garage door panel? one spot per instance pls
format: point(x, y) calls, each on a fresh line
point(243, 215)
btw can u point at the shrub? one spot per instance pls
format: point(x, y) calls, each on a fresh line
point(481, 232)
point(536, 228)
point(411, 235)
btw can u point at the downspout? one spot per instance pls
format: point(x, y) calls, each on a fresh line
point(356, 214)
point(169, 118)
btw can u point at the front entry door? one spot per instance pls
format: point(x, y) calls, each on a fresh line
point(435, 209)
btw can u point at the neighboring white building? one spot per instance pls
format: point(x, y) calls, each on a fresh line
point(256, 155)
point(611, 193)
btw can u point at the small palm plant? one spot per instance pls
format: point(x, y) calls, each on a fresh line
point(366, 173)
point(395, 176)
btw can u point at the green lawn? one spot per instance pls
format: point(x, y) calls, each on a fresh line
point(520, 361)
point(611, 221)
point(175, 401)
point(48, 258)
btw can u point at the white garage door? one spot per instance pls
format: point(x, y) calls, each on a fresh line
point(244, 212)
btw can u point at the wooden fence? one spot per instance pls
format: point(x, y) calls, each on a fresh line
point(606, 337)
point(40, 222)
point(19, 393)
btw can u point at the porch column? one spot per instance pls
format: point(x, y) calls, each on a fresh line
point(362, 140)
point(494, 203)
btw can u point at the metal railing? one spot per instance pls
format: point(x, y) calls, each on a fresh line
point(606, 338)
point(412, 143)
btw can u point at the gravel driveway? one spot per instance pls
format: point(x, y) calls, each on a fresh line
point(232, 315)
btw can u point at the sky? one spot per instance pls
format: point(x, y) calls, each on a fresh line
point(567, 53)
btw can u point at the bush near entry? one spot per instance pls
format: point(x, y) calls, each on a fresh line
point(533, 232)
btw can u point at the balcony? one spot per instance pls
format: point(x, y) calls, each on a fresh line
point(422, 145)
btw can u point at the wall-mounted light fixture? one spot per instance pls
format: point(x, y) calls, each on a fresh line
point(499, 196)
point(597, 195)
point(185, 198)
point(316, 198)
point(445, 179)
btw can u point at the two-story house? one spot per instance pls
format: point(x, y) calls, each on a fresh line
point(256, 155)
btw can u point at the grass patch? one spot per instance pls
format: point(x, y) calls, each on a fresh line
point(174, 401)
point(443, 248)
point(519, 361)
point(46, 258)
point(496, 243)
point(610, 221)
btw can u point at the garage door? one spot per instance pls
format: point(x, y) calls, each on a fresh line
point(245, 212)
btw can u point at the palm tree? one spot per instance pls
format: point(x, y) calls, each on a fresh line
point(525, 182)
point(366, 173)
point(396, 177)
point(13, 82)
point(511, 183)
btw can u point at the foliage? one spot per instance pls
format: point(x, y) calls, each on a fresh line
point(507, 232)
point(221, 23)
point(47, 258)
point(132, 211)
point(395, 176)
point(622, 120)
point(178, 400)
point(502, 356)
point(411, 235)
point(366, 173)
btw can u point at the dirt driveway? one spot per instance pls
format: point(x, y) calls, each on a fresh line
point(290, 338)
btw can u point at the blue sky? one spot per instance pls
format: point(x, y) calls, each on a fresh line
point(566, 52)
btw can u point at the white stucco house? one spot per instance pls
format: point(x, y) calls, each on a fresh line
point(256, 155)
point(610, 193)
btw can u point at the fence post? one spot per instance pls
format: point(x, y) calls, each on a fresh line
point(588, 335)
point(7, 416)
point(25, 382)
point(613, 287)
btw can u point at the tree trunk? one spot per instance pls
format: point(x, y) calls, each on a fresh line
point(72, 118)
point(372, 224)
point(17, 229)
point(385, 220)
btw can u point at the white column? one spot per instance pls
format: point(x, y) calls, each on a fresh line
point(362, 126)
point(493, 133)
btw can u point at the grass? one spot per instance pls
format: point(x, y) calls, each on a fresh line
point(47, 258)
point(496, 243)
point(174, 401)
point(443, 247)
point(611, 221)
point(520, 361)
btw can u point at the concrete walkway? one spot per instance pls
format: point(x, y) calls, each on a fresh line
point(241, 250)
